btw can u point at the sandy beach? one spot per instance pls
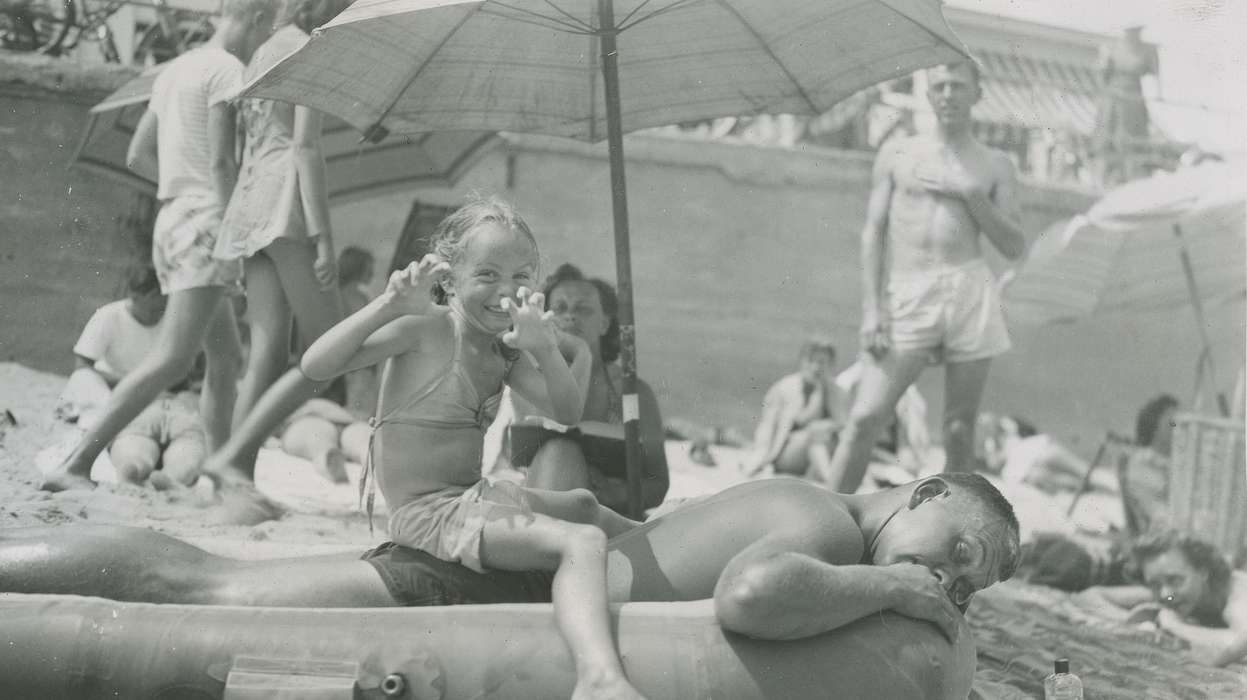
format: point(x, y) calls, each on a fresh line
point(1019, 627)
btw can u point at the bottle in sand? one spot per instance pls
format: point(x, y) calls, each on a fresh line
point(1062, 685)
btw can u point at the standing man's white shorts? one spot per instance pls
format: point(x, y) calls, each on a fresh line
point(954, 310)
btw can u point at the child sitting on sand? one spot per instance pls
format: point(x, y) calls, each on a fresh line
point(446, 368)
point(167, 435)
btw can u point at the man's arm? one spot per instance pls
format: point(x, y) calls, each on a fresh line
point(875, 334)
point(782, 587)
point(142, 156)
point(998, 213)
point(992, 203)
point(224, 165)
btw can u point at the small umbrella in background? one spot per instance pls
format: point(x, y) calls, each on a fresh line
point(593, 69)
point(353, 169)
point(1165, 242)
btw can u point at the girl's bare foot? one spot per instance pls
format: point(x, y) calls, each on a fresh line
point(64, 480)
point(605, 687)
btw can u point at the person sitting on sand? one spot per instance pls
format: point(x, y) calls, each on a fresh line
point(446, 366)
point(1188, 589)
point(167, 435)
point(1019, 453)
point(327, 435)
point(781, 558)
point(1145, 477)
point(585, 308)
point(356, 267)
point(801, 416)
point(356, 391)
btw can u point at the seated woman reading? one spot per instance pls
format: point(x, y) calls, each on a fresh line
point(585, 308)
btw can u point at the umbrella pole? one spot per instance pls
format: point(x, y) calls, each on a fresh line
point(623, 257)
point(1193, 290)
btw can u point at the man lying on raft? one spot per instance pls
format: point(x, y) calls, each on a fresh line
point(782, 559)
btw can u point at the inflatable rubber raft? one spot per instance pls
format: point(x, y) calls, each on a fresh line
point(73, 647)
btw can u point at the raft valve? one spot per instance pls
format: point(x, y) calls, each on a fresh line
point(393, 685)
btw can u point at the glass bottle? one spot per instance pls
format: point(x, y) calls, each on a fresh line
point(1062, 685)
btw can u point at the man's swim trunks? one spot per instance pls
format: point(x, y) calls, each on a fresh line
point(448, 523)
point(416, 578)
point(182, 244)
point(954, 311)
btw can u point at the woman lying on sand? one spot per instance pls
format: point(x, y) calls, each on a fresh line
point(1188, 589)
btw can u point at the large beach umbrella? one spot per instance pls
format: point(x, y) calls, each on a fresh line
point(353, 168)
point(1168, 241)
point(594, 69)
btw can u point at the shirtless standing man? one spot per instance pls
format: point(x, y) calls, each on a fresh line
point(927, 292)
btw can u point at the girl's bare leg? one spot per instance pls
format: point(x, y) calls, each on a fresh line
point(579, 506)
point(513, 541)
point(269, 317)
point(315, 311)
point(186, 319)
point(223, 350)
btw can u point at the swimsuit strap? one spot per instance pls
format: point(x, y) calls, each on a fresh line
point(870, 548)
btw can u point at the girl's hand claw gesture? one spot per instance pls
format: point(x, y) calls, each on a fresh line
point(408, 287)
point(530, 326)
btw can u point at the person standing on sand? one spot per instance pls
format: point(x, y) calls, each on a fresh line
point(278, 225)
point(185, 141)
point(935, 297)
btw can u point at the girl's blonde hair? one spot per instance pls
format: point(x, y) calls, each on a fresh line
point(450, 240)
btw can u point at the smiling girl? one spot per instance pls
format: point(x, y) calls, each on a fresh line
point(443, 379)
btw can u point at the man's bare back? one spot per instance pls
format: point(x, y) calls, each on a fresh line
point(682, 555)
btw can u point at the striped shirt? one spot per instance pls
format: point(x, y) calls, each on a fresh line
point(181, 97)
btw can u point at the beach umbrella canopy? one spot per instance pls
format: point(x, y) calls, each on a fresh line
point(1168, 241)
point(1125, 253)
point(594, 69)
point(354, 168)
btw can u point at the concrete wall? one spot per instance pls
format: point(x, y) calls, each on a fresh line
point(61, 254)
point(740, 253)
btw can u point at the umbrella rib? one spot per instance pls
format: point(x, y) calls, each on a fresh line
point(420, 68)
point(540, 20)
point(767, 49)
point(572, 18)
point(625, 24)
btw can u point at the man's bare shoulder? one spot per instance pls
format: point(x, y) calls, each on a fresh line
point(818, 513)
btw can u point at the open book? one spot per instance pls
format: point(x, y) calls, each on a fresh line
point(602, 443)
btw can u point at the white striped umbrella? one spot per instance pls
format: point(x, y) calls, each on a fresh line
point(559, 67)
point(1168, 241)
